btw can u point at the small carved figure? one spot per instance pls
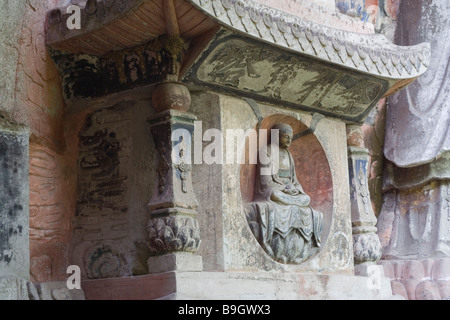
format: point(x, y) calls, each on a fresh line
point(281, 217)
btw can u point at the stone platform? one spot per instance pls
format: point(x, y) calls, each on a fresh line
point(238, 286)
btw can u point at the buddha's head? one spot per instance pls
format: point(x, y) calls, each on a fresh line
point(285, 134)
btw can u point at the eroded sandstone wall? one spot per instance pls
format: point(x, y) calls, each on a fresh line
point(31, 97)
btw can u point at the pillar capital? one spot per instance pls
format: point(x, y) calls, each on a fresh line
point(171, 95)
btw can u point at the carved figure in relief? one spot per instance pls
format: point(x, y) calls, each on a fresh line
point(281, 217)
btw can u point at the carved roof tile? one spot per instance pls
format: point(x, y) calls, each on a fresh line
point(321, 41)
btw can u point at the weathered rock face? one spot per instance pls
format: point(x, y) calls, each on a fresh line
point(14, 202)
point(11, 15)
point(414, 223)
point(324, 12)
point(14, 211)
point(418, 119)
point(31, 96)
point(14, 193)
point(427, 279)
point(114, 175)
point(414, 217)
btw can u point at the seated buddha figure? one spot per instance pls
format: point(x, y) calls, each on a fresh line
point(280, 216)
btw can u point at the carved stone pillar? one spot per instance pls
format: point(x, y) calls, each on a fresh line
point(366, 244)
point(173, 227)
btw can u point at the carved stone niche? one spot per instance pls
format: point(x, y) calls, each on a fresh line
point(233, 50)
point(321, 165)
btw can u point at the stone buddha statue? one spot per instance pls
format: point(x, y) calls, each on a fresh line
point(281, 217)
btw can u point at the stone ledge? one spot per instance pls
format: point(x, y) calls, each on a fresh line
point(57, 291)
point(181, 262)
point(237, 286)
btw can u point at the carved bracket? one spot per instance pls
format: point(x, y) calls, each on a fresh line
point(90, 76)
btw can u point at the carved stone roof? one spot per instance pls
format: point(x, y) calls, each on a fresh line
point(237, 47)
point(369, 53)
point(105, 26)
